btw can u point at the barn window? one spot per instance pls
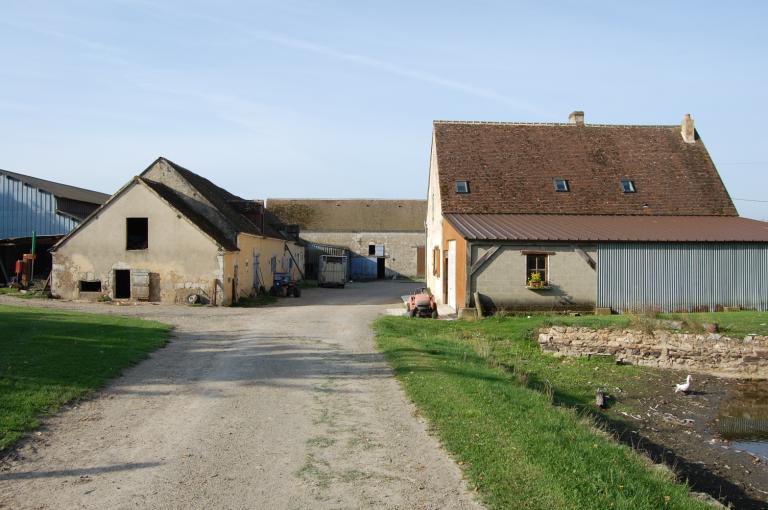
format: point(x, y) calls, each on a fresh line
point(371, 249)
point(436, 261)
point(462, 186)
point(90, 285)
point(562, 185)
point(536, 263)
point(627, 186)
point(137, 233)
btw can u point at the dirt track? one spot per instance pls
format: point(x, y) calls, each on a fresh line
point(279, 407)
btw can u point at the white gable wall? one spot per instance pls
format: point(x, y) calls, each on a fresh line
point(180, 258)
point(434, 227)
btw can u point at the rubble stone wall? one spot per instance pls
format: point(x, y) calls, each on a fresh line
point(710, 353)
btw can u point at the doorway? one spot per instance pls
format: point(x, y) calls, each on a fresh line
point(122, 284)
point(421, 261)
point(380, 268)
point(451, 274)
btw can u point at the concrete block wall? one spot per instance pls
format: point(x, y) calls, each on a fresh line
point(502, 281)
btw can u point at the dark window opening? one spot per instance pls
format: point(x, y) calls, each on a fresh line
point(90, 286)
point(462, 186)
point(137, 233)
point(122, 283)
point(371, 249)
point(562, 185)
point(627, 186)
point(536, 264)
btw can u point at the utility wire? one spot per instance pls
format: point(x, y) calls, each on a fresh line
point(751, 200)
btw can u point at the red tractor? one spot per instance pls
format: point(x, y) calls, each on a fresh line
point(421, 303)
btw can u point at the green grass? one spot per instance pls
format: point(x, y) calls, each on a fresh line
point(10, 291)
point(48, 358)
point(516, 419)
point(255, 301)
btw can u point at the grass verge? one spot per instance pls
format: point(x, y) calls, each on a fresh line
point(10, 291)
point(255, 301)
point(516, 419)
point(49, 358)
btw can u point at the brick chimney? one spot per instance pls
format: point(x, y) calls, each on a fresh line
point(687, 129)
point(576, 118)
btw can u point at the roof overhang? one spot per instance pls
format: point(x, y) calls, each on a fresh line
point(587, 228)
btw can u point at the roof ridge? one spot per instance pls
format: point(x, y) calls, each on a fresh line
point(504, 123)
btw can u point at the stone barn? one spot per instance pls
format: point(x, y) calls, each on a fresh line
point(385, 237)
point(170, 235)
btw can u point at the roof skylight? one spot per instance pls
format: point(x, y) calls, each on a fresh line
point(627, 186)
point(562, 185)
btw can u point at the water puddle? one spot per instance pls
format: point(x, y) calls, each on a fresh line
point(743, 418)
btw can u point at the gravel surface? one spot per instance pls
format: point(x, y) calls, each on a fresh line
point(289, 406)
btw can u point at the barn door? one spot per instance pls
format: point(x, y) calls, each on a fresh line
point(421, 261)
point(140, 284)
point(452, 274)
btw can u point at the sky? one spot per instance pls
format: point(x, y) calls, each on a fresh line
point(336, 99)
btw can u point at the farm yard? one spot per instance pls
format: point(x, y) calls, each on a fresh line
point(496, 421)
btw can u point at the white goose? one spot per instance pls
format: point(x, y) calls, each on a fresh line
point(683, 387)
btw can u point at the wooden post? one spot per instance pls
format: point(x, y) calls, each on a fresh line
point(478, 305)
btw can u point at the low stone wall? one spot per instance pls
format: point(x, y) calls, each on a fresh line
point(710, 353)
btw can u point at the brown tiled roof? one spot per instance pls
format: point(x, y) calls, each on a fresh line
point(177, 202)
point(511, 168)
point(351, 215)
point(585, 228)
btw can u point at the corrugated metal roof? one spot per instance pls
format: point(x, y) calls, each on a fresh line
point(60, 190)
point(567, 227)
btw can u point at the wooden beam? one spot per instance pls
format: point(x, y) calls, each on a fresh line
point(589, 260)
point(485, 258)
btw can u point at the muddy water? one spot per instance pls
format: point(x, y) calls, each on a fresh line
point(743, 418)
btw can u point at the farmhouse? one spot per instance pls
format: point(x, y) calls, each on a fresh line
point(385, 238)
point(576, 216)
point(50, 209)
point(171, 235)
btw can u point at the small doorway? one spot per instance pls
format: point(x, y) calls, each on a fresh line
point(421, 261)
point(445, 280)
point(380, 268)
point(122, 284)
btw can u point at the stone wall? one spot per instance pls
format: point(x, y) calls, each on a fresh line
point(400, 248)
point(710, 353)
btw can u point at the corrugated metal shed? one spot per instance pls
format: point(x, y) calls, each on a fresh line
point(587, 228)
point(679, 276)
point(24, 208)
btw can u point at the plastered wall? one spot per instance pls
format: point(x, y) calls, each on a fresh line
point(180, 258)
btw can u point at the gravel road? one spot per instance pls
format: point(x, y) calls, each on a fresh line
point(288, 406)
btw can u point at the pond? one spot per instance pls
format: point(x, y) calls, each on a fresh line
point(743, 418)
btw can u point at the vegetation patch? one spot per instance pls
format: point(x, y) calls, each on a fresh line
point(11, 291)
point(49, 358)
point(520, 422)
point(255, 301)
